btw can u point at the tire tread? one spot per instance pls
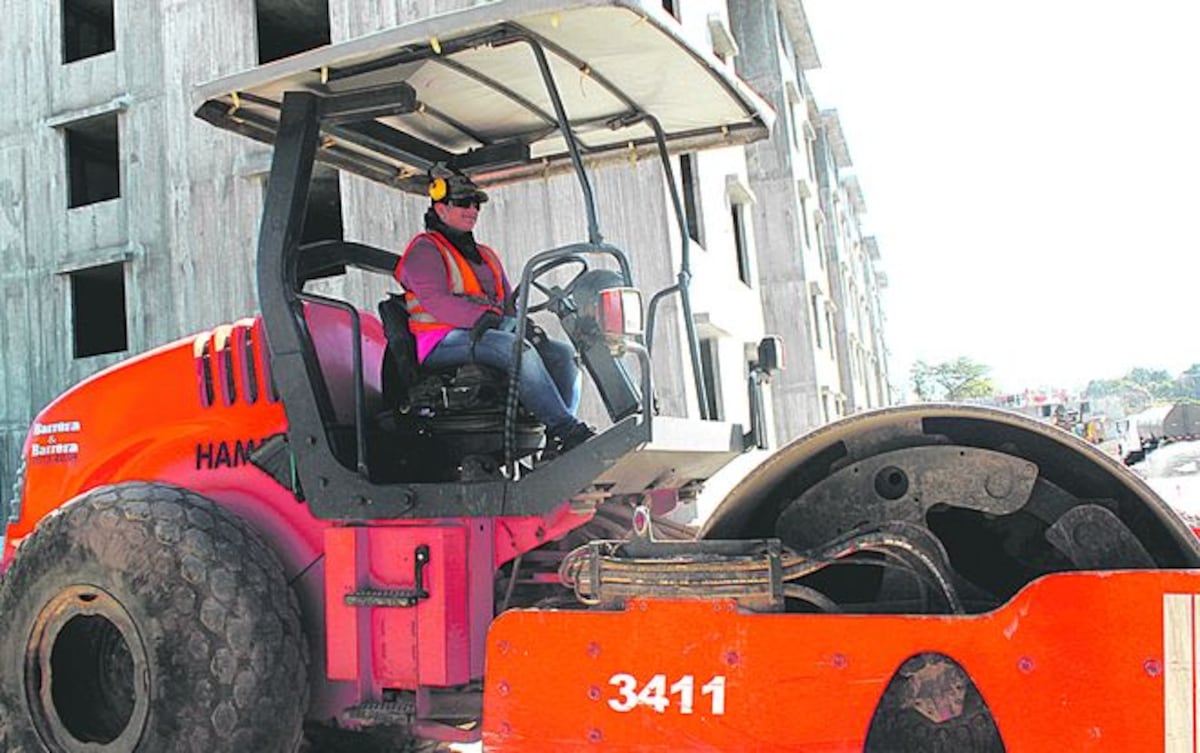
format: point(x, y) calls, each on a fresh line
point(226, 627)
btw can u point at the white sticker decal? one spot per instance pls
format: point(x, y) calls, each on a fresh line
point(1179, 672)
point(47, 447)
point(58, 427)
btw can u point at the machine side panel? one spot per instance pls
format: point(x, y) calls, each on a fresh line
point(398, 606)
point(1079, 661)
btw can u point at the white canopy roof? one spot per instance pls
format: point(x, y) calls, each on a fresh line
point(478, 98)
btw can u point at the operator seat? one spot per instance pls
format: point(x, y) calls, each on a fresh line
point(450, 420)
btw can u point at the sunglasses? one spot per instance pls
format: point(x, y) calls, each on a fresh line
point(464, 203)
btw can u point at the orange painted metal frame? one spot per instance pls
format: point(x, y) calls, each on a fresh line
point(168, 415)
point(1075, 662)
point(191, 413)
point(427, 644)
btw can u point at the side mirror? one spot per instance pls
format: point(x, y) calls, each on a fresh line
point(770, 360)
point(770, 354)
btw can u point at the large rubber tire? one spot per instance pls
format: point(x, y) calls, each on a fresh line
point(907, 731)
point(898, 727)
point(143, 618)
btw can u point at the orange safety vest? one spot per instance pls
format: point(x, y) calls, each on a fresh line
point(460, 278)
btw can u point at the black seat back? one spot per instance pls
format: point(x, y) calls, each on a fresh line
point(400, 366)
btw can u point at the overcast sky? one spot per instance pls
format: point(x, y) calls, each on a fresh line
point(1031, 170)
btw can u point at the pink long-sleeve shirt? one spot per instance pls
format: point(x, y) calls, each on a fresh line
point(423, 273)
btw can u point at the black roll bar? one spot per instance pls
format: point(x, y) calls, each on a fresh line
point(560, 111)
point(284, 210)
point(328, 258)
point(540, 263)
point(360, 398)
point(684, 278)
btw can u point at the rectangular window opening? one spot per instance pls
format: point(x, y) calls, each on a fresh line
point(793, 126)
point(323, 217)
point(740, 243)
point(710, 373)
point(98, 310)
point(87, 29)
point(691, 196)
point(93, 160)
point(804, 221)
point(816, 312)
point(820, 244)
point(287, 27)
point(810, 156)
point(829, 332)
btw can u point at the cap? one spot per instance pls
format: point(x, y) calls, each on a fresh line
point(446, 183)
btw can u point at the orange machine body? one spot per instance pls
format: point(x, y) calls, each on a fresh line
point(1075, 662)
point(191, 413)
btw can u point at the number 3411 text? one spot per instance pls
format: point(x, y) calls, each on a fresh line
point(657, 695)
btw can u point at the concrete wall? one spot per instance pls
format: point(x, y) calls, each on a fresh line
point(184, 225)
point(789, 266)
point(818, 285)
point(853, 265)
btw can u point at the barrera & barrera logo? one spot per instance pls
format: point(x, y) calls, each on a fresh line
point(47, 447)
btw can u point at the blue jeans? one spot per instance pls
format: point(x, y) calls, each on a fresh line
point(548, 384)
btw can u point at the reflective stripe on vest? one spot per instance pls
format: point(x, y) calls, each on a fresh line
point(461, 281)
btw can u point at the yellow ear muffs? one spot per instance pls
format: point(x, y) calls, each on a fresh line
point(438, 189)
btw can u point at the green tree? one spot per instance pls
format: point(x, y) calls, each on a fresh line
point(960, 379)
point(1105, 388)
point(1148, 377)
point(1190, 381)
point(1143, 387)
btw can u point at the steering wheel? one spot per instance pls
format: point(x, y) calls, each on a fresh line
point(552, 296)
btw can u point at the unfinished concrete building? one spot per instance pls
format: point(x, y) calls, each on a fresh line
point(819, 278)
point(126, 223)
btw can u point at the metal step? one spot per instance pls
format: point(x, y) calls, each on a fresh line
point(378, 597)
point(398, 713)
point(454, 706)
